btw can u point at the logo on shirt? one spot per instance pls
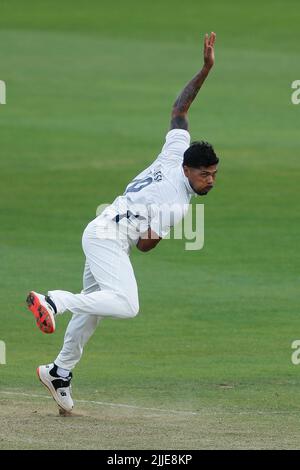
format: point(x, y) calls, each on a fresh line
point(157, 175)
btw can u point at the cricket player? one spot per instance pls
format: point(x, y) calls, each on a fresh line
point(141, 218)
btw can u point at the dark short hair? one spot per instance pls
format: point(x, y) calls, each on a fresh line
point(200, 153)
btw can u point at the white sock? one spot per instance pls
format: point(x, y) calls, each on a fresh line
point(63, 372)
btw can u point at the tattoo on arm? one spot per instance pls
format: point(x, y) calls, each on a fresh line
point(187, 96)
point(179, 122)
point(185, 99)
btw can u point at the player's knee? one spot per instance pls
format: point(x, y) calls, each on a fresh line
point(135, 309)
point(132, 308)
point(129, 307)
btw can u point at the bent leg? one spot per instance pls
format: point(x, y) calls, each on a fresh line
point(80, 328)
point(111, 268)
point(79, 331)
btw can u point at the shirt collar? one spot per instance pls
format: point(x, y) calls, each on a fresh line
point(187, 183)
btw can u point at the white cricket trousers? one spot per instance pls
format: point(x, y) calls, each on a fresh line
point(109, 290)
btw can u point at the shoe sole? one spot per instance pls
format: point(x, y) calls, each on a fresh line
point(44, 319)
point(62, 411)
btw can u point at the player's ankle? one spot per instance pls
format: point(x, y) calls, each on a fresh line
point(51, 302)
point(57, 371)
point(63, 372)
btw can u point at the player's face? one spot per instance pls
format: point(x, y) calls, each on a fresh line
point(201, 179)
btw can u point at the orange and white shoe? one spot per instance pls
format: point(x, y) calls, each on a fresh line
point(59, 387)
point(43, 309)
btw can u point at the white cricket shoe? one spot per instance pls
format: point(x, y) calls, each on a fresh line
point(43, 309)
point(58, 386)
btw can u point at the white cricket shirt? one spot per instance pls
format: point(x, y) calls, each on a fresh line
point(159, 196)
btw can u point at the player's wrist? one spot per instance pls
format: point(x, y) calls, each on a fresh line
point(206, 68)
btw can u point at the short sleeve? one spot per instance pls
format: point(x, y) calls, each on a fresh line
point(177, 141)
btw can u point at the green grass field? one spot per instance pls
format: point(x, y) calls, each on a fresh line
point(90, 87)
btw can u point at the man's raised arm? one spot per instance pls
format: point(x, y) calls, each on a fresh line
point(188, 94)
